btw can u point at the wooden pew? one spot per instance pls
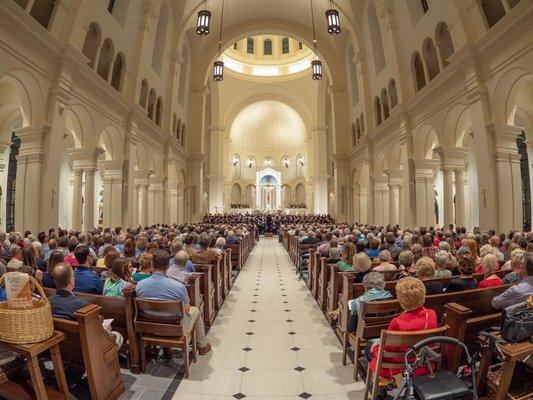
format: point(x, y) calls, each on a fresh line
point(208, 290)
point(226, 273)
point(376, 315)
point(120, 309)
point(323, 277)
point(88, 338)
point(465, 325)
point(311, 269)
point(236, 258)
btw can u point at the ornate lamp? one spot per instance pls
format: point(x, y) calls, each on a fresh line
point(316, 67)
point(333, 20)
point(202, 23)
point(218, 66)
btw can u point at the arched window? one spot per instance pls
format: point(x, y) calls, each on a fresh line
point(493, 11)
point(267, 47)
point(144, 94)
point(178, 130)
point(107, 55)
point(250, 45)
point(430, 57)
point(418, 72)
point(424, 5)
point(353, 135)
point(118, 72)
point(174, 124)
point(42, 11)
point(183, 76)
point(92, 41)
point(110, 6)
point(393, 96)
point(183, 133)
point(444, 43)
point(375, 38)
point(377, 110)
point(160, 36)
point(362, 118)
point(151, 104)
point(159, 111)
point(353, 76)
point(285, 45)
point(385, 103)
point(357, 130)
point(300, 46)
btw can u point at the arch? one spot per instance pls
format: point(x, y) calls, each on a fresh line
point(152, 98)
point(285, 46)
point(444, 42)
point(493, 11)
point(286, 195)
point(156, 164)
point(107, 55)
point(506, 93)
point(375, 38)
point(81, 126)
point(430, 57)
point(377, 111)
point(380, 163)
point(385, 103)
point(160, 38)
point(299, 193)
point(393, 95)
point(249, 194)
point(267, 47)
point(236, 193)
point(457, 124)
point(418, 71)
point(143, 97)
point(119, 66)
point(42, 11)
point(249, 45)
point(352, 69)
point(159, 111)
point(92, 41)
point(183, 135)
point(182, 88)
point(425, 140)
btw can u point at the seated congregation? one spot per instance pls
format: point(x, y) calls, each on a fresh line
point(375, 281)
point(122, 296)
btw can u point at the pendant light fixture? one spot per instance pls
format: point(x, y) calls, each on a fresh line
point(316, 64)
point(202, 23)
point(333, 20)
point(218, 67)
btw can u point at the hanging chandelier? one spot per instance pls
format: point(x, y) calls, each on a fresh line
point(218, 66)
point(202, 23)
point(333, 20)
point(316, 64)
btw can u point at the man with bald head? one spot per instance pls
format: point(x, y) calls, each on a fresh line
point(64, 304)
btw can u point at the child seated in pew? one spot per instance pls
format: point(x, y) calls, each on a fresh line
point(119, 279)
point(145, 267)
point(411, 295)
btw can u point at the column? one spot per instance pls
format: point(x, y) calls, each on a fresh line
point(143, 203)
point(28, 190)
point(442, 62)
point(110, 70)
point(447, 196)
point(425, 192)
point(321, 169)
point(173, 206)
point(155, 200)
point(88, 209)
point(135, 213)
point(426, 72)
point(96, 57)
point(460, 204)
point(77, 180)
point(196, 188)
point(401, 215)
point(112, 177)
point(394, 183)
point(216, 169)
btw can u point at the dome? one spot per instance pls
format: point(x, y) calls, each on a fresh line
point(268, 126)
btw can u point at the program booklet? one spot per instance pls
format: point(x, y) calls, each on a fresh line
point(18, 290)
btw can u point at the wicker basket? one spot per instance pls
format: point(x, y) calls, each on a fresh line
point(27, 326)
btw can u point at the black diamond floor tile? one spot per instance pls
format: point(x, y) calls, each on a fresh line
point(304, 395)
point(244, 369)
point(289, 320)
point(295, 349)
point(251, 320)
point(249, 333)
point(240, 396)
point(292, 333)
point(247, 349)
point(299, 369)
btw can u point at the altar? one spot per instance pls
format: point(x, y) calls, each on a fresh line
point(268, 189)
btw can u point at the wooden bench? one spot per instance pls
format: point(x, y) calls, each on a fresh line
point(376, 315)
point(236, 256)
point(87, 337)
point(207, 288)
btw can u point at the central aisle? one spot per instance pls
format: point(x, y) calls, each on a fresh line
point(270, 340)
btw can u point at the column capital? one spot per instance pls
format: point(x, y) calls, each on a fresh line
point(217, 129)
point(504, 136)
point(451, 156)
point(84, 158)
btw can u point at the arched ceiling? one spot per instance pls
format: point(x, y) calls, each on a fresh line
point(268, 126)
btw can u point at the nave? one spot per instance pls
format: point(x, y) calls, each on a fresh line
point(270, 340)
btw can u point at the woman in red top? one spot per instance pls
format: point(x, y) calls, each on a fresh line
point(489, 263)
point(411, 294)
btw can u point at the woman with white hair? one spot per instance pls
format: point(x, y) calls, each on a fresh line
point(441, 261)
point(517, 261)
point(220, 243)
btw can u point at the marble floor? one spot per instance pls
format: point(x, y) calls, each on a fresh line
point(270, 340)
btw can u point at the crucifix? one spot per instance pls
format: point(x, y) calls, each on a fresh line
point(53, 191)
point(484, 193)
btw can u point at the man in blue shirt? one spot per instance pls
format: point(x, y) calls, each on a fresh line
point(87, 281)
point(64, 304)
point(159, 286)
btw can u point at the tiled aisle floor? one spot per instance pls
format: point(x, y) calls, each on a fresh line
point(270, 340)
